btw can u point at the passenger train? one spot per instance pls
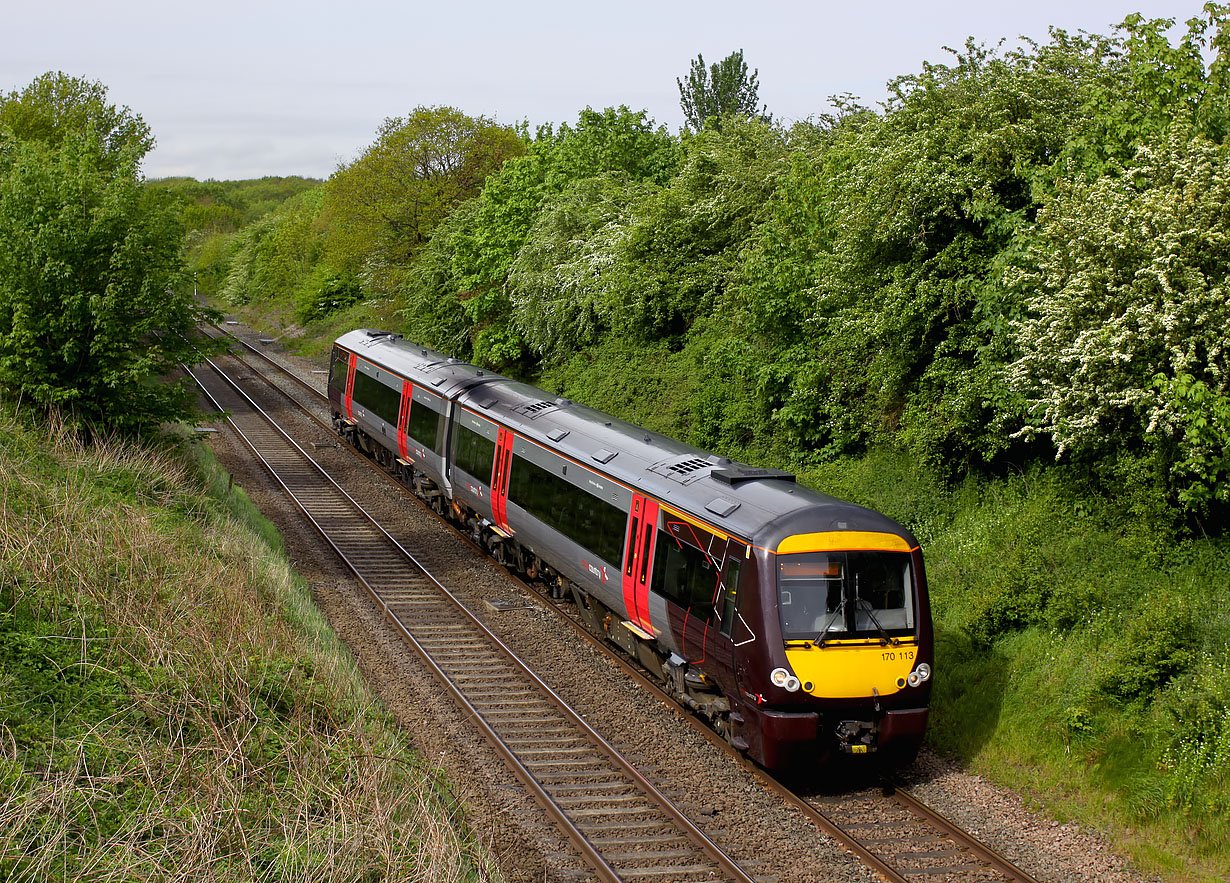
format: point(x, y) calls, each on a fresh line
point(796, 623)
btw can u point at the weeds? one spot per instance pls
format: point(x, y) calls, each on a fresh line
point(167, 711)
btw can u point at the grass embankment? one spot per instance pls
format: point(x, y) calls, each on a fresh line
point(172, 704)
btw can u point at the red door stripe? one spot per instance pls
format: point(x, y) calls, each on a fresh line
point(631, 558)
point(638, 560)
point(499, 478)
point(649, 530)
point(403, 415)
point(348, 401)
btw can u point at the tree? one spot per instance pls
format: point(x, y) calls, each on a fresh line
point(872, 285)
point(56, 106)
point(91, 317)
point(611, 140)
point(1127, 286)
point(721, 89)
point(419, 169)
point(459, 281)
point(1153, 85)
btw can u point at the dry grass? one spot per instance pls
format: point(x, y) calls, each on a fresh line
point(172, 707)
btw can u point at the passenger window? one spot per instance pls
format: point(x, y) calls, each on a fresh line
point(474, 453)
point(588, 521)
point(424, 425)
point(382, 401)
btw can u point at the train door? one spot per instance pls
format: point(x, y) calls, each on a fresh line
point(403, 414)
point(499, 479)
point(349, 399)
point(703, 556)
point(698, 575)
point(719, 644)
point(638, 560)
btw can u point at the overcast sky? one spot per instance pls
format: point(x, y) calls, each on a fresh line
point(245, 88)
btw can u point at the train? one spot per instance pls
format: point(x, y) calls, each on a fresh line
point(795, 623)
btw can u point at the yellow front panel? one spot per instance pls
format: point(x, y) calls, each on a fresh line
point(850, 670)
point(843, 540)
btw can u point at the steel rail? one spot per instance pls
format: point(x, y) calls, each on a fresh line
point(558, 814)
point(959, 835)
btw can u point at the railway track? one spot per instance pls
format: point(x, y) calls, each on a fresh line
point(617, 820)
point(903, 839)
point(887, 828)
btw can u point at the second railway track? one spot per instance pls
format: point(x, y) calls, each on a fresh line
point(898, 841)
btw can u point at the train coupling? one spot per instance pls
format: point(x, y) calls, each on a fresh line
point(856, 737)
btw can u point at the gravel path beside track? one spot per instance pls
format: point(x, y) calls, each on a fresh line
point(748, 821)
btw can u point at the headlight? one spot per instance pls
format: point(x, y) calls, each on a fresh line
point(792, 683)
point(924, 670)
point(779, 676)
point(913, 680)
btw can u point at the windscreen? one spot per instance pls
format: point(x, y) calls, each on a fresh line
point(834, 595)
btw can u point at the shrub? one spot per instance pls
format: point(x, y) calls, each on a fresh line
point(324, 292)
point(1157, 645)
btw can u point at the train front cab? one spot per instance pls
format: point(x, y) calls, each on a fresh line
point(856, 642)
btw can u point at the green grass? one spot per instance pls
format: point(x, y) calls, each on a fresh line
point(172, 704)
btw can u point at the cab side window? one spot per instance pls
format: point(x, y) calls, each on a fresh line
point(730, 595)
point(338, 369)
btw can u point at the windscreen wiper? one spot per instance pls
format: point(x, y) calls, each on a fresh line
point(818, 640)
point(885, 637)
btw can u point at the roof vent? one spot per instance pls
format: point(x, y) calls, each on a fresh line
point(375, 336)
point(687, 467)
point(684, 470)
point(535, 408)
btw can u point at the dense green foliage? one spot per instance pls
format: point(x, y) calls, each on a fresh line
point(172, 705)
point(214, 211)
point(466, 266)
point(92, 314)
point(209, 207)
